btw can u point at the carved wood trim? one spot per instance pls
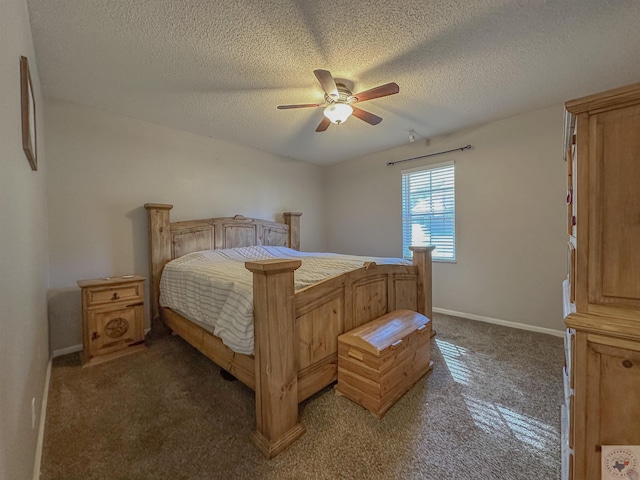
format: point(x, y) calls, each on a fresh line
point(616, 98)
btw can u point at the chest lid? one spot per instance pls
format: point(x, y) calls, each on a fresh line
point(383, 333)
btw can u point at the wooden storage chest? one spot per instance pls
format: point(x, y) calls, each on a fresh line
point(380, 361)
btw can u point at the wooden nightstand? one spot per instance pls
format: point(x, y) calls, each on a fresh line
point(112, 317)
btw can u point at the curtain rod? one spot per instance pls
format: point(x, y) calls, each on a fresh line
point(389, 164)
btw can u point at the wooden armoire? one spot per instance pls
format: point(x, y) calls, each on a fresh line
point(602, 291)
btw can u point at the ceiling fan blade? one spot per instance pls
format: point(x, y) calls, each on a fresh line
point(370, 118)
point(300, 105)
point(377, 92)
point(328, 83)
point(324, 124)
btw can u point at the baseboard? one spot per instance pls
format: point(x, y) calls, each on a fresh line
point(65, 350)
point(43, 417)
point(505, 323)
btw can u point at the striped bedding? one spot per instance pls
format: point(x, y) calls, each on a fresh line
point(214, 288)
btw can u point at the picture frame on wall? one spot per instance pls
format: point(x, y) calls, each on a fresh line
point(28, 108)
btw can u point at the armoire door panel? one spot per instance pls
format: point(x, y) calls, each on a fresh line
point(614, 260)
point(619, 394)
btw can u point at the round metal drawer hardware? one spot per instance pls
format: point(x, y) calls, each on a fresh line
point(116, 327)
point(627, 363)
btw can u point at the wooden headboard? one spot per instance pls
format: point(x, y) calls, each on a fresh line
point(169, 240)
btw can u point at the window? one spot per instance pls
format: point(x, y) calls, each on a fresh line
point(429, 210)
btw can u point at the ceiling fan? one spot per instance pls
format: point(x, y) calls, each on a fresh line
point(339, 101)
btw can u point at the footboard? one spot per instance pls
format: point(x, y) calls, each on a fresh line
point(296, 332)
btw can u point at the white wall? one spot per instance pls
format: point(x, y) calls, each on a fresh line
point(510, 216)
point(510, 211)
point(103, 168)
point(24, 349)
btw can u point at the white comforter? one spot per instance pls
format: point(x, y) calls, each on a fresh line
point(213, 287)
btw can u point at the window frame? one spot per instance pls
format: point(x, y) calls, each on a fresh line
point(424, 168)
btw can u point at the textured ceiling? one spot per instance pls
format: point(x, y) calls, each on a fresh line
point(220, 68)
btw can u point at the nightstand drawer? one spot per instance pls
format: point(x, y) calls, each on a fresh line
point(121, 293)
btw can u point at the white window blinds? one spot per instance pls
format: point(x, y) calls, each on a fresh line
point(429, 210)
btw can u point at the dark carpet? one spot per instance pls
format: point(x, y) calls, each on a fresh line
point(490, 409)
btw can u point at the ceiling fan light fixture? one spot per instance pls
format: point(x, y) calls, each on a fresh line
point(338, 113)
point(337, 97)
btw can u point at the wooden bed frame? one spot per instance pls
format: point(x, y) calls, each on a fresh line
point(295, 331)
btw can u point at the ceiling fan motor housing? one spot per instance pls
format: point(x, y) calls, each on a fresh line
point(344, 95)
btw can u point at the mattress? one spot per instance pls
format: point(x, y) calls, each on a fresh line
point(213, 287)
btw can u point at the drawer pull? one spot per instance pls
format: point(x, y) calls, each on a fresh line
point(355, 354)
point(627, 363)
point(396, 344)
point(95, 336)
point(115, 296)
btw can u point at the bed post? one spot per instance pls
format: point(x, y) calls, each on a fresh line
point(422, 260)
point(159, 255)
point(277, 424)
point(293, 220)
